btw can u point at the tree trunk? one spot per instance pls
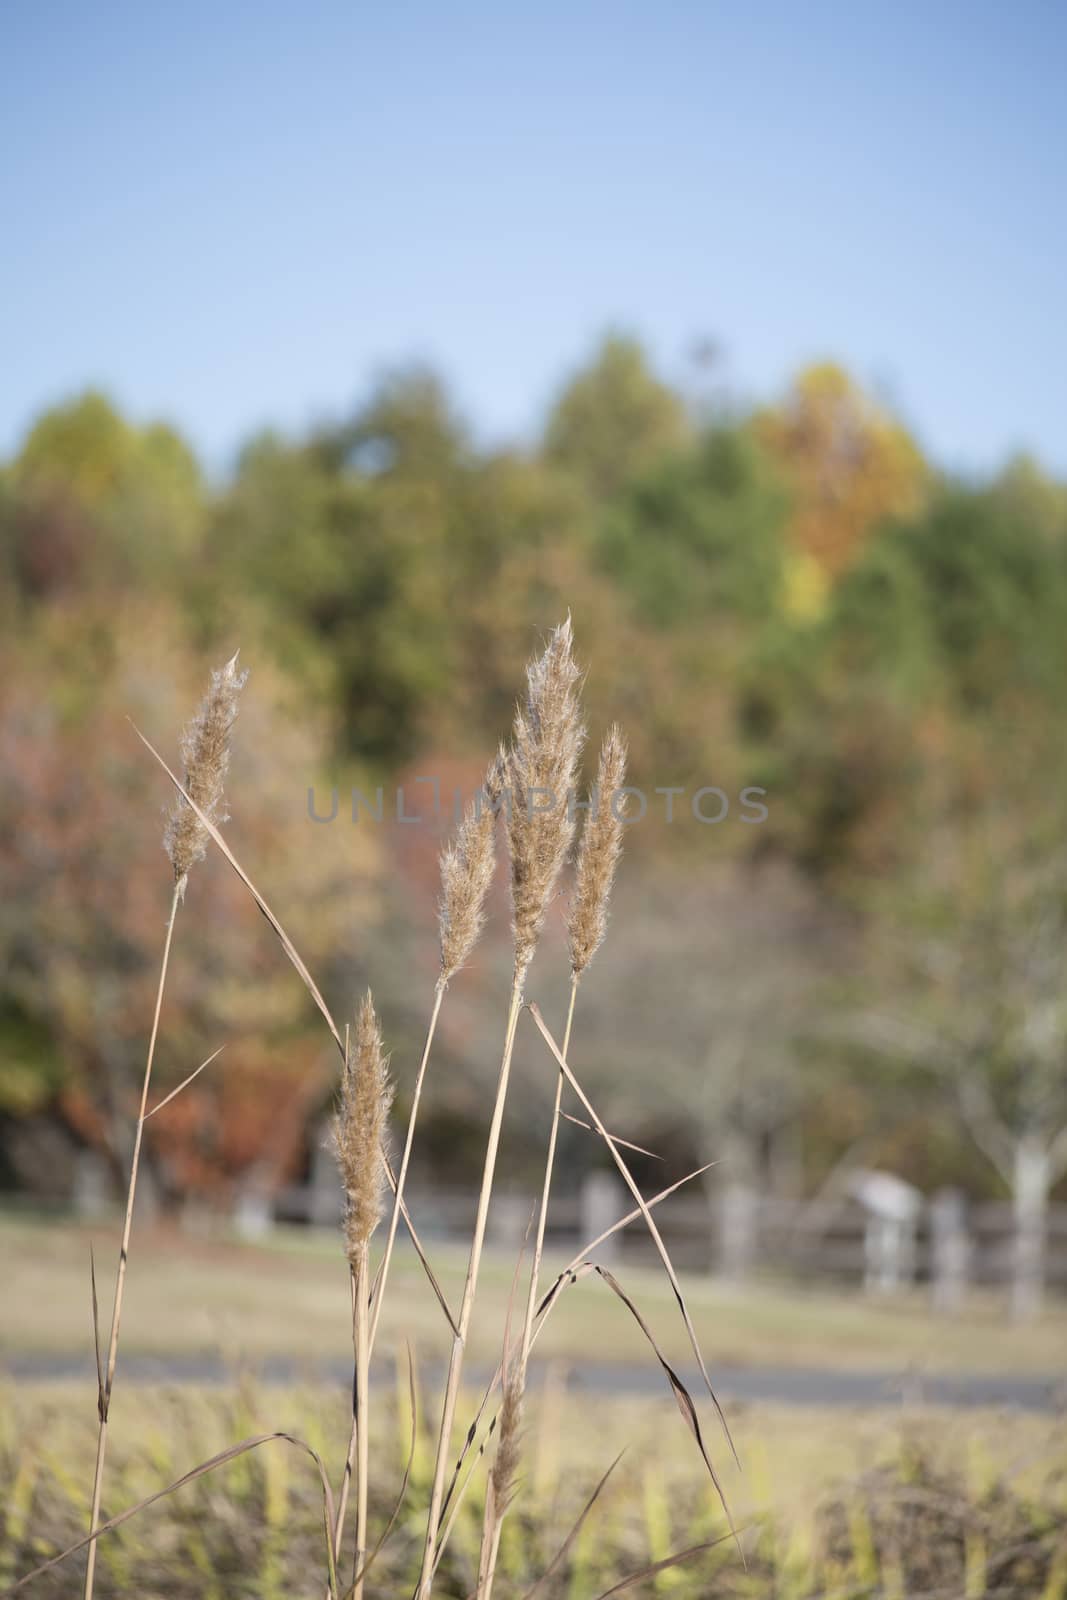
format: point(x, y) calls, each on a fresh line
point(1030, 1191)
point(736, 1205)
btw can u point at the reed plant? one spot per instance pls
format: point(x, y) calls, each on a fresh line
point(529, 795)
point(358, 1133)
point(205, 747)
point(541, 770)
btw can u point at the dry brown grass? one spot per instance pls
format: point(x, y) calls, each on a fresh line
point(206, 750)
point(540, 771)
point(359, 1133)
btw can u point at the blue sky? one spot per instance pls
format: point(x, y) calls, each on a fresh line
point(232, 215)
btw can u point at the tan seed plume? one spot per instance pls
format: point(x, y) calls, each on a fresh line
point(509, 1449)
point(598, 855)
point(467, 866)
point(358, 1134)
point(205, 748)
point(542, 767)
point(503, 1478)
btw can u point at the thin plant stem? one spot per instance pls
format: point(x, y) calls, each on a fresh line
point(383, 1271)
point(492, 1524)
point(350, 1459)
point(104, 1402)
point(542, 1220)
point(459, 1489)
point(495, 1514)
point(362, 1418)
point(401, 1177)
point(455, 1365)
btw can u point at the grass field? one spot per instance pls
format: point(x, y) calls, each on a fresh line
point(289, 1295)
point(857, 1503)
point(845, 1502)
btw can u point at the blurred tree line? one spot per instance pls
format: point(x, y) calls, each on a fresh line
point(791, 598)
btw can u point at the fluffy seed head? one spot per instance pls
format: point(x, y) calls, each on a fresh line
point(598, 855)
point(542, 766)
point(509, 1449)
point(205, 748)
point(467, 866)
point(358, 1134)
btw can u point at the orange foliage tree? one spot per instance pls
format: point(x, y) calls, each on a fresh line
point(849, 464)
point(88, 885)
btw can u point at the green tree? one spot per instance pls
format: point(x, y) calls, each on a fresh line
point(971, 982)
point(96, 502)
point(614, 419)
point(697, 539)
point(995, 594)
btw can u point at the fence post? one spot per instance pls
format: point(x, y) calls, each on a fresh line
point(509, 1221)
point(738, 1230)
point(253, 1212)
point(892, 1207)
point(92, 1184)
point(602, 1201)
point(1030, 1201)
point(950, 1250)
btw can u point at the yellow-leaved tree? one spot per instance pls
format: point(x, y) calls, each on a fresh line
point(849, 464)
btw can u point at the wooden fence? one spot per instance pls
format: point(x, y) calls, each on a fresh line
point(946, 1244)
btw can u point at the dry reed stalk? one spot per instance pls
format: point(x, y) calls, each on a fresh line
point(206, 750)
point(467, 867)
point(598, 855)
point(595, 870)
point(502, 1482)
point(570, 1274)
point(361, 1280)
point(656, 1236)
point(541, 763)
point(358, 1139)
point(358, 1133)
point(542, 769)
point(598, 858)
point(546, 1188)
point(501, 1488)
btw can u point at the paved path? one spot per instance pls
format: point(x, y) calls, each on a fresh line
point(780, 1385)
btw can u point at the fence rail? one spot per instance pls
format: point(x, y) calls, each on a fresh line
point(941, 1242)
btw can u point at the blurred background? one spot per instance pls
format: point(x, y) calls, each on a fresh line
point(372, 341)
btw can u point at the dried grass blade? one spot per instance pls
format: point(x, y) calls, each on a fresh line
point(575, 1530)
point(575, 1269)
point(503, 1480)
point(450, 1521)
point(381, 1277)
point(632, 1216)
point(420, 1252)
point(662, 1566)
point(493, 1385)
point(683, 1398)
point(184, 1083)
point(100, 1397)
point(220, 1460)
point(657, 1238)
point(588, 1126)
point(286, 943)
point(309, 983)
